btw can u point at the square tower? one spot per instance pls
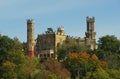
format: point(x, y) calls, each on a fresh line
point(90, 39)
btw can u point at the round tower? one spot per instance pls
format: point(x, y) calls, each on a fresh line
point(30, 37)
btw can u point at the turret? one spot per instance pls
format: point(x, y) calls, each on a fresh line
point(30, 37)
point(60, 31)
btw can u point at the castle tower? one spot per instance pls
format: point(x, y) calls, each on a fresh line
point(90, 39)
point(30, 37)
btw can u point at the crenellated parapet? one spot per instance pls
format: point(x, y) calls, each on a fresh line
point(30, 20)
point(90, 19)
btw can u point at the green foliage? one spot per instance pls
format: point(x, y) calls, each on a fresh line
point(15, 64)
point(102, 63)
point(109, 43)
point(56, 68)
point(109, 57)
point(52, 76)
point(98, 74)
point(113, 58)
point(10, 50)
point(114, 74)
point(7, 70)
point(81, 63)
point(24, 44)
point(70, 45)
point(17, 47)
point(10, 55)
point(6, 43)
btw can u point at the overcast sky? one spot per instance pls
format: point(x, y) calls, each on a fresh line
point(54, 13)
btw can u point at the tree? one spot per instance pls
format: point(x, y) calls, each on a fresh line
point(81, 63)
point(114, 74)
point(56, 68)
point(113, 61)
point(17, 47)
point(109, 43)
point(10, 50)
point(70, 45)
point(28, 68)
point(6, 43)
point(7, 70)
point(11, 55)
point(98, 74)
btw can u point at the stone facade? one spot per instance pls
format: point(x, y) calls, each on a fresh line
point(46, 44)
point(90, 39)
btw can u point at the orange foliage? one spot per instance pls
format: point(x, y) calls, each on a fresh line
point(56, 68)
point(84, 55)
point(73, 55)
point(94, 57)
point(104, 64)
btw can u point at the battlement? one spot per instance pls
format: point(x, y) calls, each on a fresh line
point(90, 19)
point(30, 21)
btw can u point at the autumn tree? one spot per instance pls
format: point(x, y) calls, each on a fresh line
point(56, 68)
point(70, 45)
point(81, 63)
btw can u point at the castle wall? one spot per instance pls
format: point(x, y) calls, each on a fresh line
point(45, 41)
point(59, 39)
point(49, 41)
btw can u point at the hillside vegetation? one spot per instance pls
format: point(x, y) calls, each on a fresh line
point(74, 61)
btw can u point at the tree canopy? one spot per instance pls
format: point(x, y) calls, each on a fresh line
point(109, 43)
point(77, 61)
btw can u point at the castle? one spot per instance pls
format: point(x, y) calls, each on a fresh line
point(45, 46)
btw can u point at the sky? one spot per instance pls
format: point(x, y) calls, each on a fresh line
point(71, 14)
